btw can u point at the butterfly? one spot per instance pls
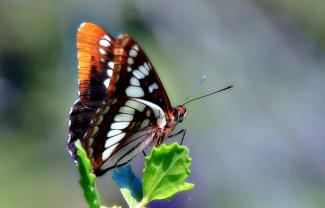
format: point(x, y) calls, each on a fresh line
point(123, 106)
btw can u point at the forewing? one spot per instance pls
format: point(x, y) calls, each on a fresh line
point(121, 128)
point(134, 76)
point(95, 64)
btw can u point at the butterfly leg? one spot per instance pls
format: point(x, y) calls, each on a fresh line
point(144, 153)
point(159, 142)
point(182, 131)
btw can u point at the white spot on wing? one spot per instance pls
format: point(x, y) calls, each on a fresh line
point(134, 81)
point(130, 61)
point(153, 87)
point(109, 73)
point(144, 70)
point(133, 53)
point(102, 51)
point(136, 105)
point(126, 109)
point(129, 69)
point(138, 74)
point(144, 123)
point(113, 133)
point(104, 42)
point(123, 117)
point(111, 64)
point(146, 66)
point(106, 82)
point(107, 38)
point(119, 125)
point(113, 140)
point(107, 153)
point(133, 91)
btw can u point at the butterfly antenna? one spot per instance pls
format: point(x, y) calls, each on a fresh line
point(198, 83)
point(226, 88)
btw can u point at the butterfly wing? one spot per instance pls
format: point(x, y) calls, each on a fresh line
point(95, 64)
point(122, 128)
point(134, 116)
point(79, 121)
point(134, 75)
point(136, 106)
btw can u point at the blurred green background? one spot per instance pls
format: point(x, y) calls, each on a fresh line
point(258, 145)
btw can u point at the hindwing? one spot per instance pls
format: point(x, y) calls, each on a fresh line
point(121, 128)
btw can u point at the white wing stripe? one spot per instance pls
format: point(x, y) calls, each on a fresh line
point(107, 153)
point(113, 140)
point(159, 113)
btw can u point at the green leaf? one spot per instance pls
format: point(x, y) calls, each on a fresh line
point(165, 171)
point(130, 185)
point(87, 178)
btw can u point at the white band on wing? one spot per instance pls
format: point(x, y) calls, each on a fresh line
point(159, 113)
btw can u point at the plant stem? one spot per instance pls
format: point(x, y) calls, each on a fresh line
point(142, 204)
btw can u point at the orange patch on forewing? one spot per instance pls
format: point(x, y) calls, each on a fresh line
point(94, 46)
point(88, 38)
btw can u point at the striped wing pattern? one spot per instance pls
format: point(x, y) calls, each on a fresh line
point(119, 132)
point(95, 64)
point(79, 121)
point(95, 69)
point(123, 105)
point(136, 76)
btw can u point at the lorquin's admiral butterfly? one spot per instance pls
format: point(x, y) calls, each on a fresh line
point(122, 106)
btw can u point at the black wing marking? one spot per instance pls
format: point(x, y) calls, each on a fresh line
point(79, 121)
point(134, 75)
point(123, 125)
point(95, 64)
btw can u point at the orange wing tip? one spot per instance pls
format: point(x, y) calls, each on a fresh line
point(89, 25)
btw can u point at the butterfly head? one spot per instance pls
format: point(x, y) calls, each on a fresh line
point(180, 113)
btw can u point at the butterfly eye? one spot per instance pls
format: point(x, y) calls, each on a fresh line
point(181, 113)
